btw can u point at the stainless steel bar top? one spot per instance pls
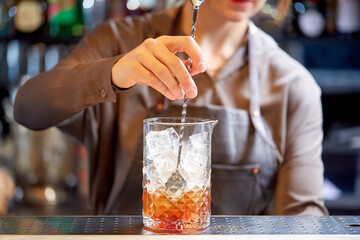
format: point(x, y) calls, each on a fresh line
point(221, 227)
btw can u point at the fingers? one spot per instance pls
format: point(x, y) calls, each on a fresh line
point(154, 82)
point(176, 68)
point(163, 49)
point(155, 64)
point(189, 46)
point(162, 72)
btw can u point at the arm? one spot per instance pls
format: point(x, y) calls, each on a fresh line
point(300, 177)
point(7, 187)
point(85, 78)
point(81, 80)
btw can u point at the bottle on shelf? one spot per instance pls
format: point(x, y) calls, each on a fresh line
point(64, 18)
point(3, 66)
point(94, 13)
point(6, 18)
point(116, 9)
point(330, 15)
point(138, 7)
point(30, 18)
point(347, 18)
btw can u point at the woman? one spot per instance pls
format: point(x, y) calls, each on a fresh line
point(266, 156)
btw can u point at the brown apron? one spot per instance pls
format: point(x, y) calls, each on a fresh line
point(244, 157)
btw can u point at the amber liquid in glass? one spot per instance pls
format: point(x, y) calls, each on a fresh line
point(190, 212)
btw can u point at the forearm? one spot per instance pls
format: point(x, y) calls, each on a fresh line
point(7, 187)
point(299, 190)
point(300, 177)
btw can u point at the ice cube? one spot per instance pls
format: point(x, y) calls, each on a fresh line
point(199, 143)
point(165, 164)
point(160, 141)
point(150, 172)
point(193, 168)
point(199, 139)
point(151, 177)
point(193, 162)
point(194, 155)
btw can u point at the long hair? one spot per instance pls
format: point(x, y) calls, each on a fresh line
point(282, 9)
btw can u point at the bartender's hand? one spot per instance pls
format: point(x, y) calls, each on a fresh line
point(154, 63)
point(7, 188)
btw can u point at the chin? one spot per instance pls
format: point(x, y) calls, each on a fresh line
point(237, 17)
point(241, 10)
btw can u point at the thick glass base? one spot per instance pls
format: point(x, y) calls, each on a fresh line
point(190, 212)
point(177, 227)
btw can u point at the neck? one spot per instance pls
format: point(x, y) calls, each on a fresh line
point(217, 36)
point(212, 24)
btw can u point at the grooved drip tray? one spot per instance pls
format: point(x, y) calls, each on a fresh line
point(220, 225)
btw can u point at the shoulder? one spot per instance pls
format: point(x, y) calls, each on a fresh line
point(147, 25)
point(282, 70)
point(128, 32)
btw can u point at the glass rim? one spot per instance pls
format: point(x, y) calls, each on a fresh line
point(196, 121)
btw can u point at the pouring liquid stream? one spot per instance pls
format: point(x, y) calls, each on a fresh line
point(176, 184)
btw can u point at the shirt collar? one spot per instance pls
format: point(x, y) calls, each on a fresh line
point(262, 44)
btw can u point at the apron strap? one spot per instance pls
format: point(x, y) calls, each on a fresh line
point(255, 113)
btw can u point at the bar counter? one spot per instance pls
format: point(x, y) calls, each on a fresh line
point(221, 227)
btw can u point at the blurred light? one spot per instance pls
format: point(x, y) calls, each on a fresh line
point(50, 194)
point(70, 180)
point(311, 23)
point(43, 6)
point(18, 193)
point(52, 57)
point(132, 4)
point(88, 4)
point(331, 192)
point(77, 29)
point(299, 7)
point(269, 10)
point(148, 4)
point(12, 11)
